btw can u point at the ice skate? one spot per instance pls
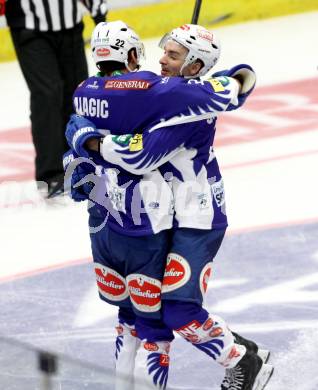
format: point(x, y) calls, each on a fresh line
point(251, 346)
point(251, 373)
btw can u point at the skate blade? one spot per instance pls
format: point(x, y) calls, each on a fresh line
point(264, 354)
point(263, 377)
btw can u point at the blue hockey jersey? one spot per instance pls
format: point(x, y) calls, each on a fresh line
point(172, 126)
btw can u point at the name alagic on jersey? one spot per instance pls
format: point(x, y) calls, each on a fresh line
point(91, 107)
point(132, 102)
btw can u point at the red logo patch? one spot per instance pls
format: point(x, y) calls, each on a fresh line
point(216, 332)
point(164, 360)
point(177, 273)
point(103, 52)
point(208, 324)
point(152, 347)
point(120, 330)
point(145, 292)
point(185, 27)
point(110, 284)
point(204, 277)
point(233, 353)
point(127, 84)
point(205, 34)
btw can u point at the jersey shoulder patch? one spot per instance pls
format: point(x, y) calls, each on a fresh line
point(216, 85)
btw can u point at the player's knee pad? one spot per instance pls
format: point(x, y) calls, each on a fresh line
point(152, 365)
point(209, 333)
point(127, 344)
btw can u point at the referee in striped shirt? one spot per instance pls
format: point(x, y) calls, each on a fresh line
point(47, 36)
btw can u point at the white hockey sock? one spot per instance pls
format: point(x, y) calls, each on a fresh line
point(126, 348)
point(215, 339)
point(152, 365)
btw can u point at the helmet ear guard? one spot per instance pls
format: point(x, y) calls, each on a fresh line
point(202, 45)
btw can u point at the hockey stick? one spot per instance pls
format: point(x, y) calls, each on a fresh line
point(196, 12)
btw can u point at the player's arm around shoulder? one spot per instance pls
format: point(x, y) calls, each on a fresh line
point(238, 82)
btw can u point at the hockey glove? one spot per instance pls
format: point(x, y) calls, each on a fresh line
point(78, 131)
point(220, 73)
point(76, 172)
point(245, 75)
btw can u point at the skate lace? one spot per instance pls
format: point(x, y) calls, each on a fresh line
point(234, 379)
point(227, 379)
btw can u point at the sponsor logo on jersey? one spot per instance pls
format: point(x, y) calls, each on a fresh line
point(102, 52)
point(136, 143)
point(93, 86)
point(224, 80)
point(154, 205)
point(203, 201)
point(204, 278)
point(111, 284)
point(218, 193)
point(145, 292)
point(177, 273)
point(117, 196)
point(91, 107)
point(122, 140)
point(127, 84)
point(216, 85)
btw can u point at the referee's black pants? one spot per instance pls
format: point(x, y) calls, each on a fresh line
point(53, 64)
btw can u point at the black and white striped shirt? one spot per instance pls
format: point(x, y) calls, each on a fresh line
point(51, 15)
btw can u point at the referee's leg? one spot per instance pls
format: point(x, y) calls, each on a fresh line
point(37, 56)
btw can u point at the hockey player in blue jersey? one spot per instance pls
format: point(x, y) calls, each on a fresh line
point(207, 228)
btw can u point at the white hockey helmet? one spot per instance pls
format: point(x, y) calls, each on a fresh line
point(112, 42)
point(201, 43)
